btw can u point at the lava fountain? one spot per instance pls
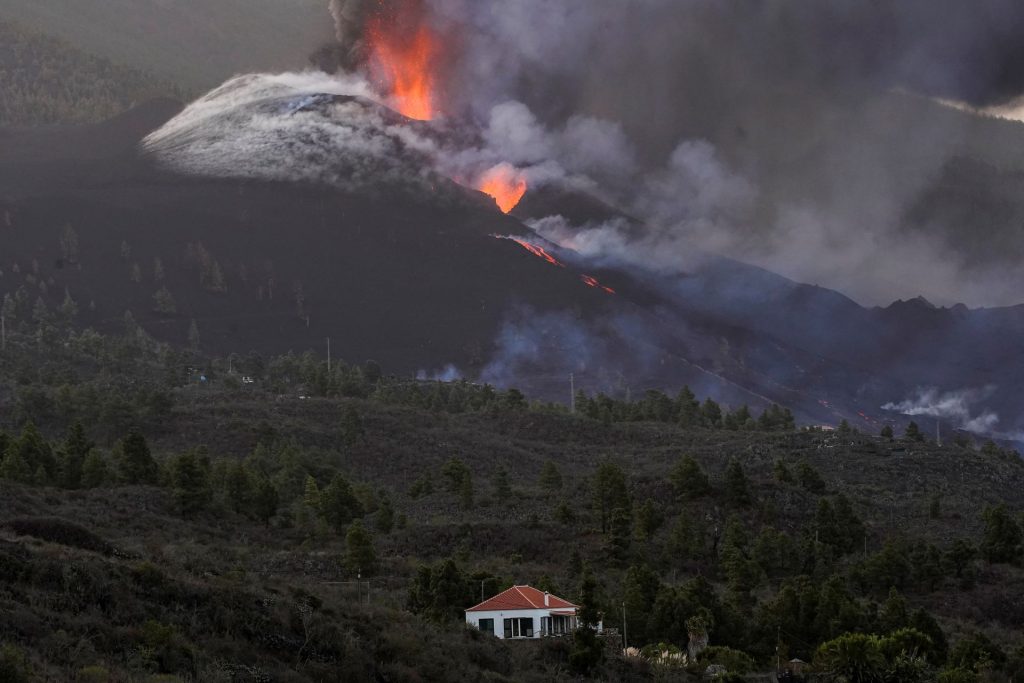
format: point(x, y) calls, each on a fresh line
point(505, 184)
point(404, 53)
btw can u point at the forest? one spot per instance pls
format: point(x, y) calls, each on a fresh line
point(166, 515)
point(46, 81)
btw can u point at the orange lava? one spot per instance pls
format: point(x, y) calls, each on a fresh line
point(539, 252)
point(591, 281)
point(404, 54)
point(505, 184)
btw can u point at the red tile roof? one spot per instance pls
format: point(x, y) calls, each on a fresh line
point(521, 597)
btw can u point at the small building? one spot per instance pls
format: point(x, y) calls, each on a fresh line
point(524, 612)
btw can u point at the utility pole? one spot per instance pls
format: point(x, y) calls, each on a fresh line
point(938, 432)
point(625, 634)
point(778, 655)
point(572, 392)
point(328, 355)
point(3, 333)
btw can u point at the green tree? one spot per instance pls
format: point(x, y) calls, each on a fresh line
point(136, 463)
point(352, 431)
point(852, 657)
point(550, 478)
point(913, 432)
point(238, 486)
point(360, 556)
point(94, 470)
point(587, 651)
point(385, 519)
point(266, 500)
point(190, 483)
point(466, 492)
point(164, 303)
point(711, 413)
point(737, 491)
point(502, 488)
point(15, 468)
point(688, 408)
point(75, 450)
point(810, 479)
point(886, 432)
point(1002, 538)
point(338, 504)
point(610, 493)
point(688, 479)
point(781, 472)
point(648, 519)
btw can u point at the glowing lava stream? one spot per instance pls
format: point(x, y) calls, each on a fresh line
point(541, 252)
point(591, 281)
point(504, 184)
point(404, 61)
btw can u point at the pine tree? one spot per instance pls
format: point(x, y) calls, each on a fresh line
point(648, 520)
point(75, 450)
point(1003, 538)
point(550, 478)
point(163, 302)
point(782, 473)
point(351, 426)
point(886, 432)
point(360, 557)
point(587, 651)
point(913, 432)
point(466, 492)
point(385, 519)
point(193, 336)
point(338, 504)
point(689, 480)
point(502, 488)
point(737, 490)
point(238, 486)
point(15, 468)
point(94, 470)
point(610, 493)
point(265, 501)
point(688, 408)
point(190, 483)
point(136, 462)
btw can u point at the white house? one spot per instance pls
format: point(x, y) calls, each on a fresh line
point(524, 612)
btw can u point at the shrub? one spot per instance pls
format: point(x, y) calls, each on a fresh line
point(60, 532)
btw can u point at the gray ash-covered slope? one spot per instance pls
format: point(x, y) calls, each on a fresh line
point(372, 248)
point(281, 220)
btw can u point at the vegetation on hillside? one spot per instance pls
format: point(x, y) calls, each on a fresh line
point(247, 518)
point(44, 80)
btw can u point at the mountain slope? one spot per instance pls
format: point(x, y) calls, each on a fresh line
point(198, 43)
point(45, 80)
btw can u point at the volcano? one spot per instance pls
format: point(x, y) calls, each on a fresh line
point(290, 217)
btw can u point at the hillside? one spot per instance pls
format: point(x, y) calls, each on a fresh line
point(44, 80)
point(165, 566)
point(197, 43)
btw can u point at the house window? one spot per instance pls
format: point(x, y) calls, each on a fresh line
point(486, 625)
point(519, 628)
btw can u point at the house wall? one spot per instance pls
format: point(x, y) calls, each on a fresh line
point(473, 619)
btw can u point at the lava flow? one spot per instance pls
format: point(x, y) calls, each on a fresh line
point(539, 252)
point(591, 281)
point(505, 184)
point(404, 52)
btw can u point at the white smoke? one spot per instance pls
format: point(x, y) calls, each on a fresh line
point(958, 407)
